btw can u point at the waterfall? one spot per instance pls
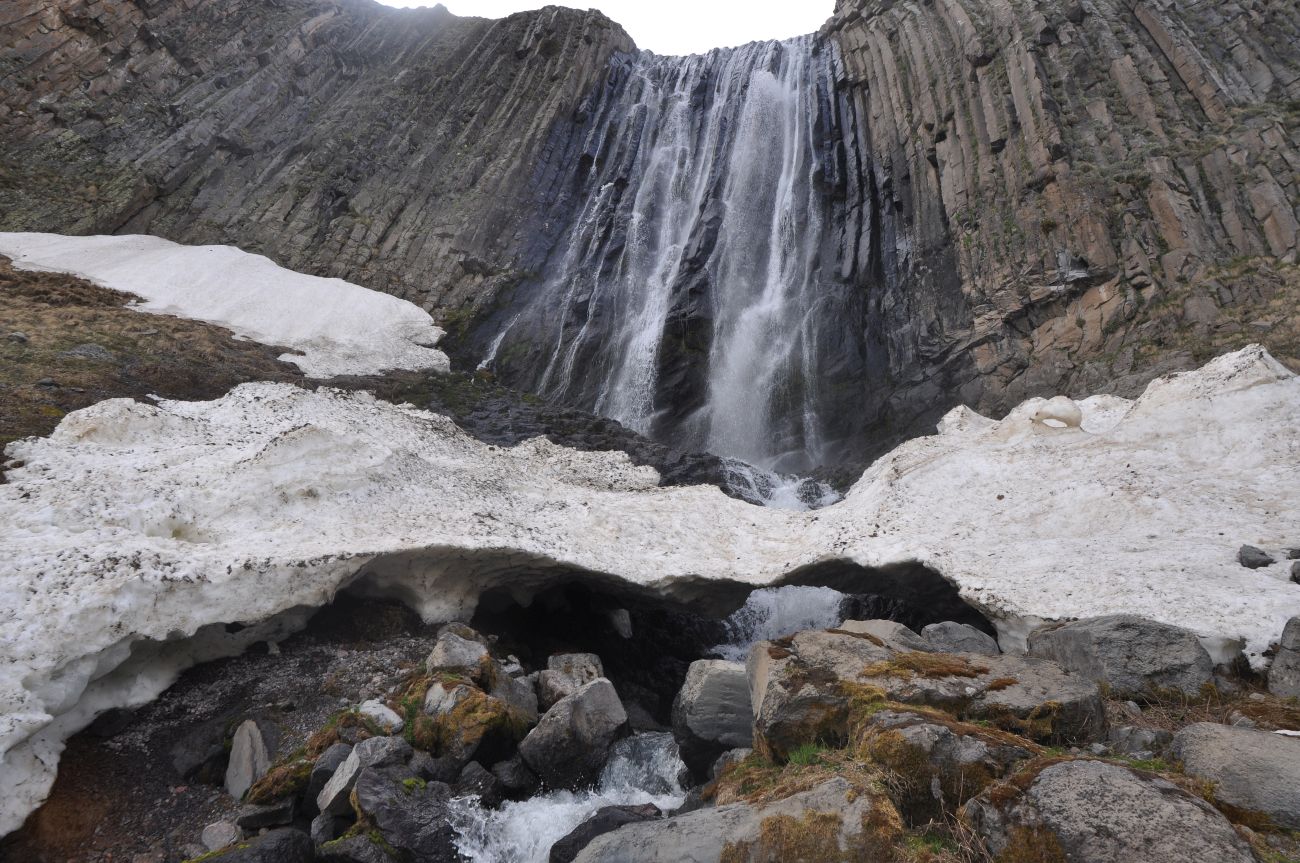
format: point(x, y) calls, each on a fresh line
point(775, 612)
point(698, 297)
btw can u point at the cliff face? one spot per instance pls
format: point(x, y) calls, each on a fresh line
point(401, 149)
point(1118, 183)
point(1028, 196)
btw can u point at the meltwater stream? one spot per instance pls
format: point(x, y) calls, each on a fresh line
point(644, 768)
point(698, 298)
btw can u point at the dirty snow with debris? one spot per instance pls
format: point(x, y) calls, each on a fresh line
point(337, 327)
point(133, 527)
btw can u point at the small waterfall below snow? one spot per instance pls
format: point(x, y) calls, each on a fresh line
point(775, 612)
point(699, 298)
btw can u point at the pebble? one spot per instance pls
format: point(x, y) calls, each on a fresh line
point(48, 382)
point(19, 338)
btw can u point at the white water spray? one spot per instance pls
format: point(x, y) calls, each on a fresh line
point(775, 612)
point(641, 769)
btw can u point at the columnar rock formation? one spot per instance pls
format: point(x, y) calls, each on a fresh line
point(1027, 196)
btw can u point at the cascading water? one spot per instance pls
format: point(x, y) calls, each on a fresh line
point(699, 298)
point(775, 612)
point(641, 769)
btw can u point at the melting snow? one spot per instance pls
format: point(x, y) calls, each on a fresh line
point(339, 328)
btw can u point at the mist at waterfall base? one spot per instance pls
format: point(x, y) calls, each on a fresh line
point(644, 768)
point(698, 297)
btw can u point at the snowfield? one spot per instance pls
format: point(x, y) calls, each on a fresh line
point(339, 328)
point(134, 531)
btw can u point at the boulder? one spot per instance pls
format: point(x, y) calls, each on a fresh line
point(278, 846)
point(375, 752)
point(892, 633)
point(325, 828)
point(249, 759)
point(803, 688)
point(1139, 743)
point(952, 637)
point(254, 818)
point(583, 668)
point(1254, 558)
point(456, 654)
point(728, 759)
point(328, 762)
point(476, 781)
point(1257, 772)
point(605, 820)
point(354, 849)
point(832, 821)
point(712, 712)
point(569, 745)
point(1096, 812)
point(552, 686)
point(1284, 673)
point(382, 715)
point(441, 769)
point(518, 696)
point(409, 813)
point(939, 764)
point(220, 834)
point(516, 778)
point(1129, 654)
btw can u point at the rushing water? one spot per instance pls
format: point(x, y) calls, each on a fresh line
point(780, 491)
point(775, 612)
point(641, 769)
point(698, 298)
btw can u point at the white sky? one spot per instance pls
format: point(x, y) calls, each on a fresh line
point(675, 26)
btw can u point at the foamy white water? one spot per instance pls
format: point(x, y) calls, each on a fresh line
point(781, 491)
point(641, 769)
point(775, 612)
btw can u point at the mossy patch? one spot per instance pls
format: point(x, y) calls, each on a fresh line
point(1032, 845)
point(932, 666)
point(286, 780)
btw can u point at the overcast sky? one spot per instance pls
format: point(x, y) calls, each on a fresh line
point(676, 26)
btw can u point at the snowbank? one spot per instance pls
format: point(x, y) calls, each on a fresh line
point(133, 527)
point(339, 328)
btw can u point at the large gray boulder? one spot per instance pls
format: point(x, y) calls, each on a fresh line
point(329, 761)
point(1284, 674)
point(890, 632)
point(1095, 812)
point(410, 814)
point(552, 686)
point(1256, 771)
point(583, 668)
point(868, 826)
point(249, 759)
point(454, 653)
point(1131, 655)
point(712, 712)
point(952, 637)
point(569, 745)
point(375, 752)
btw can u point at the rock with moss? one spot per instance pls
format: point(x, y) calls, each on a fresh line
point(938, 763)
point(375, 752)
point(324, 767)
point(835, 820)
point(1096, 812)
point(1130, 655)
point(1255, 774)
point(570, 744)
point(277, 846)
point(408, 814)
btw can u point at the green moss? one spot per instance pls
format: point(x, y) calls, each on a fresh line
point(807, 754)
point(414, 784)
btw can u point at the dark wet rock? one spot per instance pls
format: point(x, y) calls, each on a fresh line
point(329, 761)
point(278, 846)
point(1132, 656)
point(255, 818)
point(605, 820)
point(952, 637)
point(354, 849)
point(409, 813)
point(1284, 673)
point(325, 828)
point(712, 713)
point(475, 780)
point(444, 768)
point(1256, 772)
point(516, 777)
point(571, 742)
point(1254, 558)
point(376, 752)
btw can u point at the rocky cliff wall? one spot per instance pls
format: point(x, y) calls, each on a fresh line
point(1037, 195)
point(400, 149)
point(1118, 181)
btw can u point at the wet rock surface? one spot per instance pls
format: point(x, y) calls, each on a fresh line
point(712, 714)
